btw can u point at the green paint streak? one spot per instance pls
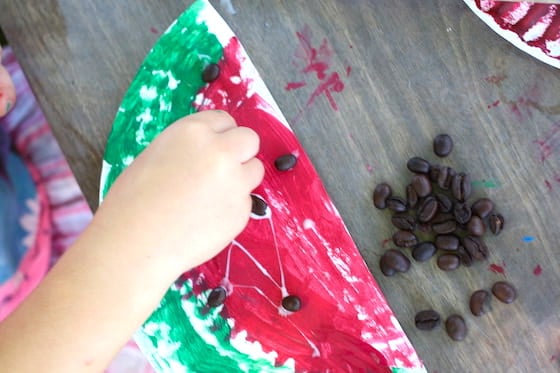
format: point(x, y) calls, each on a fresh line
point(161, 93)
point(491, 184)
point(170, 78)
point(408, 370)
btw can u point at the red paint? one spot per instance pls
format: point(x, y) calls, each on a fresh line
point(538, 270)
point(294, 85)
point(496, 79)
point(494, 104)
point(369, 167)
point(317, 60)
point(334, 327)
point(496, 268)
point(385, 242)
point(549, 143)
point(548, 185)
point(154, 30)
point(553, 358)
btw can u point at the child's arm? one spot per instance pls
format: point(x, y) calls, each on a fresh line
point(180, 202)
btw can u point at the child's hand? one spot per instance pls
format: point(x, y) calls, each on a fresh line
point(188, 194)
point(7, 90)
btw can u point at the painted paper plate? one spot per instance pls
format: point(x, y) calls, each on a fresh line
point(291, 292)
point(533, 28)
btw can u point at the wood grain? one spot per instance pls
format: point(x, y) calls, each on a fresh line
point(417, 69)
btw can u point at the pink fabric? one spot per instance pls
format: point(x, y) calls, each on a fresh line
point(62, 212)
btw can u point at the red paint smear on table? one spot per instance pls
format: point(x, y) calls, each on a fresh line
point(317, 60)
point(494, 104)
point(306, 260)
point(538, 270)
point(154, 30)
point(496, 268)
point(549, 143)
point(294, 85)
point(496, 79)
point(385, 242)
point(548, 185)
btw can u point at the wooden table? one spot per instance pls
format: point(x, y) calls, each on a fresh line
point(409, 71)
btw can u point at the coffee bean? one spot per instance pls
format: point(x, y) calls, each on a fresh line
point(442, 177)
point(476, 247)
point(403, 221)
point(211, 73)
point(479, 302)
point(259, 206)
point(461, 186)
point(424, 227)
point(444, 227)
point(443, 145)
point(434, 172)
point(496, 223)
point(423, 251)
point(421, 185)
point(411, 197)
point(380, 194)
point(462, 213)
point(444, 202)
point(456, 327)
point(450, 175)
point(291, 303)
point(418, 165)
point(285, 162)
point(428, 209)
point(440, 218)
point(427, 319)
point(476, 226)
point(447, 242)
point(504, 291)
point(464, 256)
point(216, 297)
point(482, 207)
point(396, 204)
point(393, 261)
point(404, 239)
point(448, 262)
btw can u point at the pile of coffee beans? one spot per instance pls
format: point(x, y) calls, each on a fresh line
point(436, 217)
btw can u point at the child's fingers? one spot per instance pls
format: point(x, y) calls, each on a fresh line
point(254, 172)
point(243, 142)
point(218, 120)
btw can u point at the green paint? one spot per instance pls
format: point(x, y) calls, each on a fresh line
point(408, 370)
point(490, 183)
point(163, 89)
point(8, 106)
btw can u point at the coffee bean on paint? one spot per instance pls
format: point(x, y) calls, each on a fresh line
point(211, 73)
point(480, 302)
point(217, 297)
point(428, 209)
point(482, 207)
point(411, 196)
point(448, 262)
point(393, 261)
point(434, 172)
point(476, 247)
point(504, 291)
point(423, 251)
point(418, 165)
point(403, 221)
point(259, 206)
point(443, 145)
point(285, 162)
point(447, 242)
point(427, 320)
point(404, 239)
point(291, 303)
point(456, 327)
point(442, 177)
point(461, 186)
point(476, 226)
point(462, 213)
point(496, 223)
point(421, 185)
point(396, 204)
point(380, 194)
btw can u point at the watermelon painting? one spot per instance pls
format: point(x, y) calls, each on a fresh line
point(291, 293)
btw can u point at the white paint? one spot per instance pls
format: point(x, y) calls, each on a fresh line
point(172, 83)
point(539, 28)
point(105, 170)
point(127, 160)
point(519, 12)
point(553, 47)
point(148, 93)
point(228, 6)
point(235, 79)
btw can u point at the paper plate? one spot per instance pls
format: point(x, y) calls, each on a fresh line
point(533, 28)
